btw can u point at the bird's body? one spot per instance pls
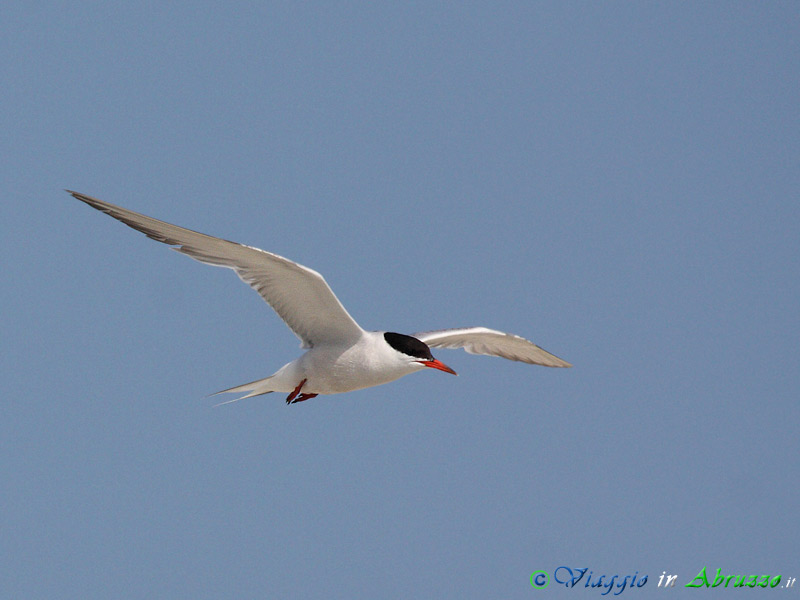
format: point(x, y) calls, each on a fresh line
point(341, 356)
point(336, 369)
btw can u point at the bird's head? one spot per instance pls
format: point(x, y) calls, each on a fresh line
point(416, 351)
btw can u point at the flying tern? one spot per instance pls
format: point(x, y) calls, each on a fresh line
point(340, 356)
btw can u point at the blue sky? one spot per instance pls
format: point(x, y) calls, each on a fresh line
point(617, 182)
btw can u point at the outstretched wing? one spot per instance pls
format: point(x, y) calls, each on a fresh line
point(481, 340)
point(299, 295)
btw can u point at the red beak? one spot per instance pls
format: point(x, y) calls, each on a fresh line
point(437, 364)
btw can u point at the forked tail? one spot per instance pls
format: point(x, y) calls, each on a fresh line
point(255, 388)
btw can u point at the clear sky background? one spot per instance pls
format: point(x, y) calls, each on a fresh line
point(617, 182)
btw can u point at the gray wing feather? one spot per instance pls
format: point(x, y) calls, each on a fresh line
point(481, 340)
point(299, 295)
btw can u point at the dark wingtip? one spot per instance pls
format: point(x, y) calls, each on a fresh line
point(77, 195)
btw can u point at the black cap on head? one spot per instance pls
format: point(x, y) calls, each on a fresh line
point(408, 345)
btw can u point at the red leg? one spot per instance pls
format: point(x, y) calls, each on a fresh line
point(296, 391)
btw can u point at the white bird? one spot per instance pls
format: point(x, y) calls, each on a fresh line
point(341, 356)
